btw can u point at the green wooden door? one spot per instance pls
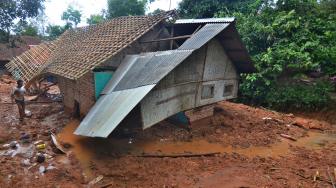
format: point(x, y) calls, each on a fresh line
point(101, 79)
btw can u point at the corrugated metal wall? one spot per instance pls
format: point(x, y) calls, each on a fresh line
point(181, 89)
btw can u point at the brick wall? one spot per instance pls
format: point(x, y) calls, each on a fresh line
point(81, 90)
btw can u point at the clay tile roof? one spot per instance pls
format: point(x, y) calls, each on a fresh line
point(82, 49)
point(32, 62)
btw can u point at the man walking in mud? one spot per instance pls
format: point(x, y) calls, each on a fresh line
point(18, 95)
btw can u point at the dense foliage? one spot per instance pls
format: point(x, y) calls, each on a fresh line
point(95, 19)
point(23, 28)
point(291, 42)
point(11, 10)
point(55, 31)
point(72, 16)
point(117, 8)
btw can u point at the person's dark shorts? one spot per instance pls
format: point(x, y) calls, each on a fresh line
point(21, 102)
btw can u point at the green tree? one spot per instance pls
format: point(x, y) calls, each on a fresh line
point(30, 30)
point(25, 28)
point(55, 31)
point(95, 19)
point(72, 16)
point(117, 8)
point(11, 10)
point(209, 8)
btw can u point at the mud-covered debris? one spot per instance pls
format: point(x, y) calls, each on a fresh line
point(96, 180)
point(25, 138)
point(50, 167)
point(41, 146)
point(40, 158)
point(25, 162)
point(301, 123)
point(24, 151)
point(57, 144)
point(288, 137)
point(42, 170)
point(38, 142)
point(13, 144)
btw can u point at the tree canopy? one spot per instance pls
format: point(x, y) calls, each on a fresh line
point(11, 10)
point(95, 19)
point(23, 28)
point(72, 16)
point(117, 8)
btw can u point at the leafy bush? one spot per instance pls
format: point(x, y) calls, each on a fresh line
point(299, 96)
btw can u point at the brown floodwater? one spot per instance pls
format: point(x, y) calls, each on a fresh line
point(91, 150)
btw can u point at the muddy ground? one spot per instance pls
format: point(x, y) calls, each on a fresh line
point(240, 146)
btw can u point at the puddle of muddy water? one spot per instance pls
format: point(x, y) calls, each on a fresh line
point(88, 150)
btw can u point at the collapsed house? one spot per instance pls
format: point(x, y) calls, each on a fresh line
point(154, 63)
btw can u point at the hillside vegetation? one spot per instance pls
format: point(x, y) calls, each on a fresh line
point(292, 43)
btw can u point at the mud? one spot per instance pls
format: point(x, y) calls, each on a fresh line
point(251, 151)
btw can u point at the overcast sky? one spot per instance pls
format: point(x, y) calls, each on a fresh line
point(55, 8)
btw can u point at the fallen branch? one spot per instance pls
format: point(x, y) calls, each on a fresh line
point(288, 137)
point(179, 155)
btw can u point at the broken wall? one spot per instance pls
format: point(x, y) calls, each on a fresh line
point(81, 90)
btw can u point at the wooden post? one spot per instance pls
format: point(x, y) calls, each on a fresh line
point(172, 35)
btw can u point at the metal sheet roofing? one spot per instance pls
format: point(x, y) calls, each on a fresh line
point(110, 110)
point(151, 68)
point(203, 36)
point(205, 20)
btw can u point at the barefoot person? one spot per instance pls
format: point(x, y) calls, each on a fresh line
point(18, 96)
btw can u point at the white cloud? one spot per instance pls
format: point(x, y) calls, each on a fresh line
point(55, 8)
point(164, 5)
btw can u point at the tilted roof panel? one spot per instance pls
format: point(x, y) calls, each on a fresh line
point(205, 20)
point(151, 68)
point(204, 35)
point(110, 110)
